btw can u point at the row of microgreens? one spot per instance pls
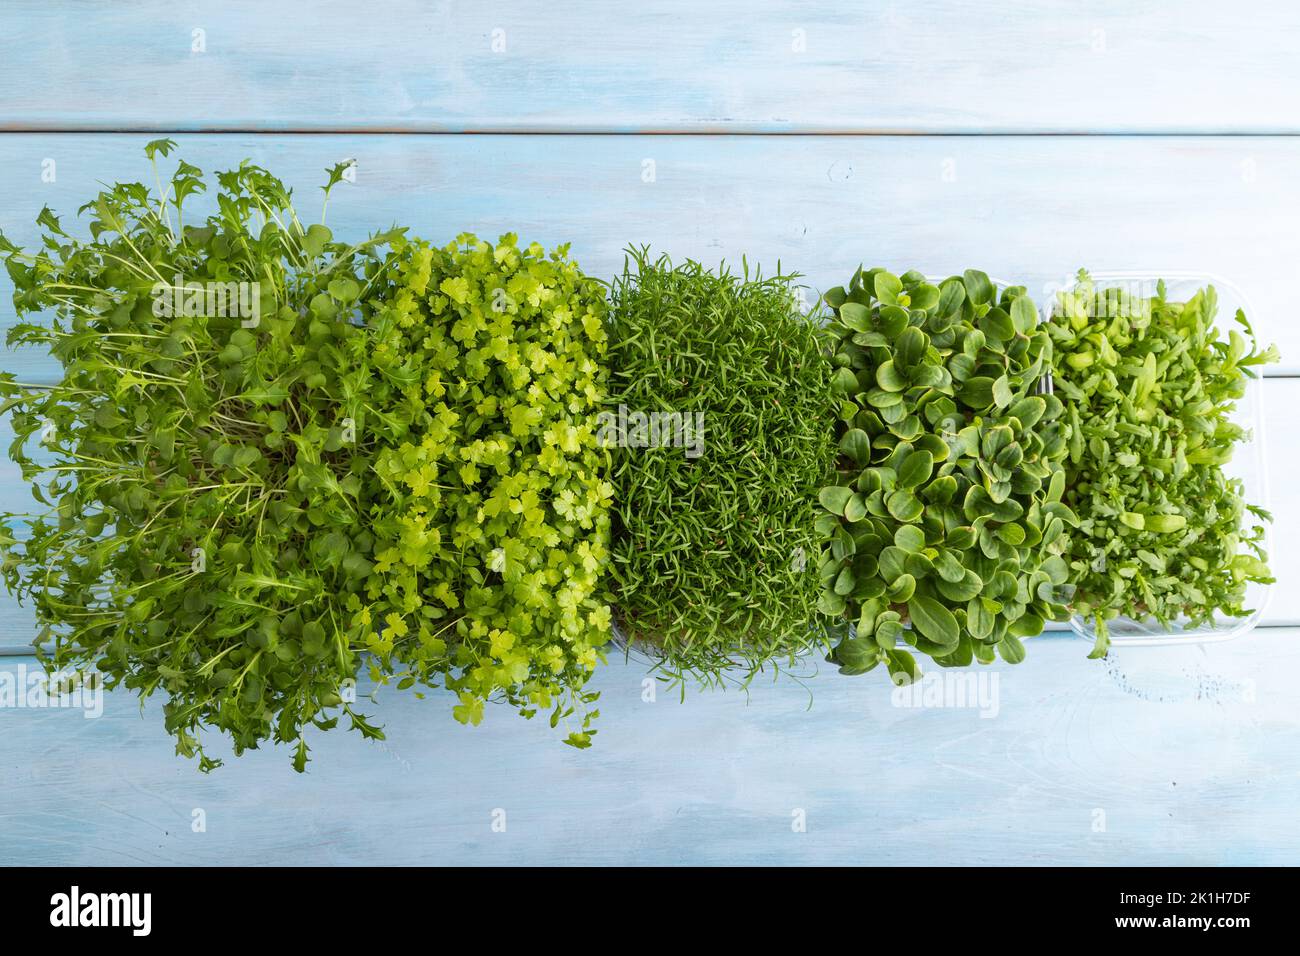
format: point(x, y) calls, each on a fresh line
point(404, 454)
point(964, 512)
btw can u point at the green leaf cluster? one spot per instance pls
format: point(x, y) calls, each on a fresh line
point(946, 512)
point(491, 522)
point(1151, 386)
point(199, 500)
point(714, 557)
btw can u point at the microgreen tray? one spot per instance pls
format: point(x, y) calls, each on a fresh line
point(1248, 464)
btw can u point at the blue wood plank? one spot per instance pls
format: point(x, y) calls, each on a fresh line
point(1030, 208)
point(672, 65)
point(1182, 757)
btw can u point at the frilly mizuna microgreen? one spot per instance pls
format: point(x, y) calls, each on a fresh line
point(1150, 386)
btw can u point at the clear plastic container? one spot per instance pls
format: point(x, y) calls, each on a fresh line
point(1248, 463)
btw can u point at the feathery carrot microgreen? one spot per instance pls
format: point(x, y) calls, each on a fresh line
point(714, 555)
point(1150, 388)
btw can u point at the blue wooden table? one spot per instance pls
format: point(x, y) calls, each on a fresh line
point(936, 134)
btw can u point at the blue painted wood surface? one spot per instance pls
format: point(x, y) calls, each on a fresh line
point(1169, 756)
point(1035, 208)
point(591, 65)
point(1185, 756)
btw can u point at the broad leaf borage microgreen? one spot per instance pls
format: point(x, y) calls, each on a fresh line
point(493, 530)
point(714, 555)
point(1150, 387)
point(196, 457)
point(947, 512)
